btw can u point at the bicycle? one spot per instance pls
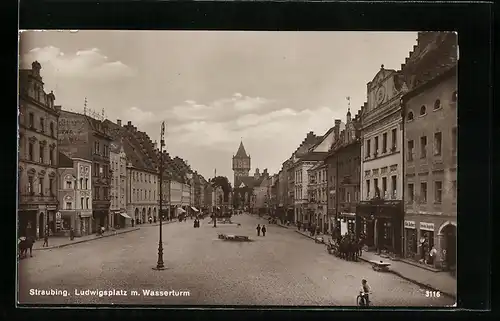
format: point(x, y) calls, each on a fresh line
point(361, 300)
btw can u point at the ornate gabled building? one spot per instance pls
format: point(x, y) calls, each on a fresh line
point(430, 149)
point(380, 208)
point(38, 154)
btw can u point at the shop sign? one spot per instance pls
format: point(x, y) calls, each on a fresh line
point(51, 208)
point(427, 226)
point(410, 224)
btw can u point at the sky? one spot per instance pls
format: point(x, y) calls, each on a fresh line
point(216, 88)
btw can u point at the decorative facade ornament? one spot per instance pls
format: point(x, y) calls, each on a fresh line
point(31, 171)
point(52, 174)
point(33, 139)
point(42, 173)
point(43, 142)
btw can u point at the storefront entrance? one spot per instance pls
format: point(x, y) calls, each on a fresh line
point(449, 248)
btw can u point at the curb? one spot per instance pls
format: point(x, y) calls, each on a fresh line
point(308, 236)
point(420, 284)
point(83, 241)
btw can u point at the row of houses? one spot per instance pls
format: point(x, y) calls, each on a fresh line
point(389, 172)
point(81, 172)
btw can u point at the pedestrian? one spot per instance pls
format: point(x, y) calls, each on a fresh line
point(150, 220)
point(132, 221)
point(258, 229)
point(432, 255)
point(46, 237)
point(264, 230)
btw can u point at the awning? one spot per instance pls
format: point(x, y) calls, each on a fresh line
point(125, 215)
point(181, 210)
point(194, 209)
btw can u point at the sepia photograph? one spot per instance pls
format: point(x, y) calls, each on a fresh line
point(237, 168)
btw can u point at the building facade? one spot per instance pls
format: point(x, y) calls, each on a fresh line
point(430, 162)
point(118, 163)
point(380, 209)
point(75, 196)
point(317, 196)
point(38, 153)
point(143, 194)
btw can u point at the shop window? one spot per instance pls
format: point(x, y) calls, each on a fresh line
point(411, 243)
point(426, 244)
point(66, 223)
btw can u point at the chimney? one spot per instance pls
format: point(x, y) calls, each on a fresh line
point(336, 128)
point(129, 123)
point(155, 145)
point(119, 122)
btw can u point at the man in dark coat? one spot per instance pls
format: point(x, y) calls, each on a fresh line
point(258, 229)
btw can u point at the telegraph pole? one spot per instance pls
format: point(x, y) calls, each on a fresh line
point(160, 265)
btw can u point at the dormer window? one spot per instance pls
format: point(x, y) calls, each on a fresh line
point(410, 116)
point(437, 104)
point(422, 110)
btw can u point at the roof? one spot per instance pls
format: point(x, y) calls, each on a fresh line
point(241, 153)
point(313, 156)
point(249, 181)
point(64, 161)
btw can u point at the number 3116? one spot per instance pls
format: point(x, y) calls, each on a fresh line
point(432, 294)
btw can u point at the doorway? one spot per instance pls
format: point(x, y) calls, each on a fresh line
point(450, 248)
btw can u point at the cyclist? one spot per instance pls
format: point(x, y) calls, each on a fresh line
point(365, 292)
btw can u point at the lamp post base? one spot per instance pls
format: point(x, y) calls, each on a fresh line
point(157, 268)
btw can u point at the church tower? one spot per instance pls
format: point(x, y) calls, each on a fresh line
point(241, 165)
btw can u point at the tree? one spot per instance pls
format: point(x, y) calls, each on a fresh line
point(223, 182)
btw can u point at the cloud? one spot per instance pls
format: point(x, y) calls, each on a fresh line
point(85, 64)
point(138, 116)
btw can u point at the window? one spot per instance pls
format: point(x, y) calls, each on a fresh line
point(96, 148)
point(87, 203)
point(42, 153)
point(376, 146)
point(68, 205)
point(437, 144)
point(454, 140)
point(52, 132)
point(105, 192)
point(31, 155)
point(423, 192)
point(86, 183)
point(410, 150)
point(51, 186)
point(97, 193)
point(394, 186)
point(394, 139)
point(454, 96)
point(42, 125)
point(375, 186)
point(411, 195)
point(40, 186)
point(31, 190)
point(422, 110)
point(384, 186)
point(410, 116)
point(437, 104)
point(423, 147)
point(454, 190)
point(68, 185)
point(133, 193)
point(31, 120)
point(438, 191)
point(367, 188)
point(52, 155)
point(81, 183)
point(384, 143)
point(81, 203)
point(368, 151)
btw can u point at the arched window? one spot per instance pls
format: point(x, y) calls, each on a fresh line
point(437, 104)
point(422, 110)
point(410, 116)
point(454, 96)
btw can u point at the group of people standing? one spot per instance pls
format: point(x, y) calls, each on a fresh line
point(261, 229)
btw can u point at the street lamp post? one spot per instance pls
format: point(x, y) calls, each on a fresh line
point(160, 265)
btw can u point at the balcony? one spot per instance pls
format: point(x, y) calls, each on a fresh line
point(23, 199)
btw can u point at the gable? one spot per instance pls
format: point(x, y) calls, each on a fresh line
point(242, 185)
point(384, 87)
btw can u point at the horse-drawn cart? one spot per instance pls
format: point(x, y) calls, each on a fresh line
point(236, 238)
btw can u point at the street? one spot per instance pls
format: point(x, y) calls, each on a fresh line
point(282, 268)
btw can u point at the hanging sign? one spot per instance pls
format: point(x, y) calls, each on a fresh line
point(410, 224)
point(427, 226)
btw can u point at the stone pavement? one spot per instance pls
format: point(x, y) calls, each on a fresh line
point(435, 281)
point(278, 269)
point(57, 242)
